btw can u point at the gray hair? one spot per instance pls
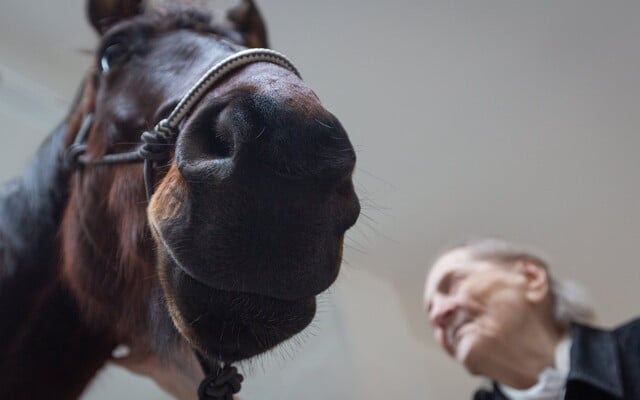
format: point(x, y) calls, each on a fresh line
point(570, 301)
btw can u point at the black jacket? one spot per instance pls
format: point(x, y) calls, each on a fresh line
point(605, 365)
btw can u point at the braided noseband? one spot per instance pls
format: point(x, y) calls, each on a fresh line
point(222, 381)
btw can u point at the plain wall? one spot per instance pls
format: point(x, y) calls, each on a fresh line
point(516, 119)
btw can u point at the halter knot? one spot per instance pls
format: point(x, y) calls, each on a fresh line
point(73, 153)
point(221, 385)
point(154, 148)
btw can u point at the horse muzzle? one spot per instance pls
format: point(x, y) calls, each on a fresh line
point(267, 196)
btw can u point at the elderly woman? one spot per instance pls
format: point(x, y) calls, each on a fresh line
point(496, 309)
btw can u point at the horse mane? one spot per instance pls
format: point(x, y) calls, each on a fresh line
point(173, 17)
point(32, 296)
point(193, 17)
point(31, 208)
point(179, 16)
point(31, 205)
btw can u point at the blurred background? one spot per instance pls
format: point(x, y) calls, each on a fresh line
point(504, 118)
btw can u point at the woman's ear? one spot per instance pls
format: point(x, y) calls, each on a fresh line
point(103, 14)
point(536, 280)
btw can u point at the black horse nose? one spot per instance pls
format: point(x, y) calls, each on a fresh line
point(270, 194)
point(260, 132)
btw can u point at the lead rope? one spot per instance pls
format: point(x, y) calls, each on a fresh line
point(221, 380)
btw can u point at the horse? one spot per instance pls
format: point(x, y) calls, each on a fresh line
point(215, 251)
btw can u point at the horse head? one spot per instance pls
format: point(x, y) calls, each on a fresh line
point(246, 222)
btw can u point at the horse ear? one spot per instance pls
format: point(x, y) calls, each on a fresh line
point(105, 13)
point(246, 19)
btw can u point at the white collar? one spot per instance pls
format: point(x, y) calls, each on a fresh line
point(551, 381)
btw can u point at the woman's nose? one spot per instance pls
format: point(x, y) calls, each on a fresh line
point(441, 311)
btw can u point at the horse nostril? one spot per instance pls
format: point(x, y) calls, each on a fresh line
point(260, 135)
point(213, 135)
point(206, 137)
point(219, 143)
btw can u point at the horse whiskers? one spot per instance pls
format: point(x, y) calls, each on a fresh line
point(196, 319)
point(372, 175)
point(255, 336)
point(325, 125)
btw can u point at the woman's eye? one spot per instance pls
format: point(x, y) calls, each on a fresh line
point(453, 284)
point(114, 54)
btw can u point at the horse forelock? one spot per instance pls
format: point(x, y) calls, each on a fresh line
point(32, 205)
point(173, 17)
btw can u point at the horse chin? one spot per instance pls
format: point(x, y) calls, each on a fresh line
point(229, 325)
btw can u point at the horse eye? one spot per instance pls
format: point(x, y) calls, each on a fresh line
point(115, 53)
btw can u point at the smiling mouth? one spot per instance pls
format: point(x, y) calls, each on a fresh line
point(456, 332)
point(454, 335)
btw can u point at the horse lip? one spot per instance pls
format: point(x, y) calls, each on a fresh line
point(239, 292)
point(296, 299)
point(185, 270)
